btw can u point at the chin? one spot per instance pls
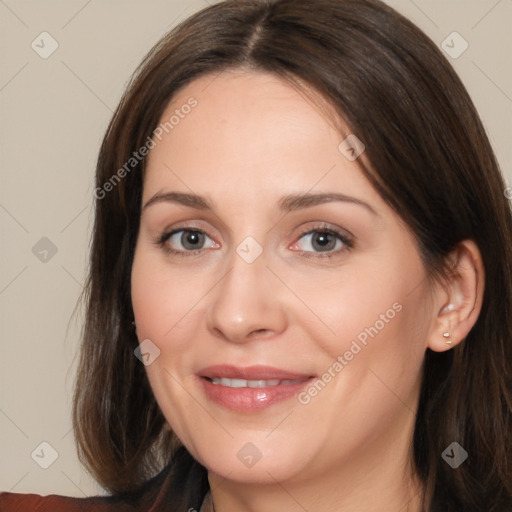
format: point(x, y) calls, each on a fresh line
point(258, 462)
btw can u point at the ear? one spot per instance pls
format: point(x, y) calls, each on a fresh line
point(458, 299)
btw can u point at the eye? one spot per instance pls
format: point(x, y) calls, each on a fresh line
point(321, 239)
point(192, 241)
point(324, 240)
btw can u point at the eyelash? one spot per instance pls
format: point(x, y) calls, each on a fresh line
point(347, 241)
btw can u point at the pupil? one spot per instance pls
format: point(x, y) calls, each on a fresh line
point(190, 239)
point(323, 240)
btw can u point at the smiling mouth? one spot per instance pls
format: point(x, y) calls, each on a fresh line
point(242, 383)
point(250, 389)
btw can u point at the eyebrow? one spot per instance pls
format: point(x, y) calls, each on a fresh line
point(288, 203)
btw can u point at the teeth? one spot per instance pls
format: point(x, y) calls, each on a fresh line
point(242, 383)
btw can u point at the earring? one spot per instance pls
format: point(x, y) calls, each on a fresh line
point(447, 335)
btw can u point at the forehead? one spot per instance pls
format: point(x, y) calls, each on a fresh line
point(249, 132)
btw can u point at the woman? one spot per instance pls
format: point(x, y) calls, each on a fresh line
point(227, 362)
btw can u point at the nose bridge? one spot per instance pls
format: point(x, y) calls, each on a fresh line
point(245, 299)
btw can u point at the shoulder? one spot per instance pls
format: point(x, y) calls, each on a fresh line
point(14, 502)
point(183, 472)
point(143, 499)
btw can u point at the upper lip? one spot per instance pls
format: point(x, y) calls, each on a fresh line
point(256, 372)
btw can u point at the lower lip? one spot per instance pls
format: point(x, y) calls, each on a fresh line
point(251, 399)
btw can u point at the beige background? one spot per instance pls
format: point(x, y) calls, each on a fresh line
point(54, 112)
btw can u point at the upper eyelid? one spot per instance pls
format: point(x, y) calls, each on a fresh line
point(321, 226)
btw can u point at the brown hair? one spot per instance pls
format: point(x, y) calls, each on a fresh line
point(430, 159)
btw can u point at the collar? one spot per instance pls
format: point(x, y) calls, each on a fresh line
point(207, 505)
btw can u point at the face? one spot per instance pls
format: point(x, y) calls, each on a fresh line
point(309, 311)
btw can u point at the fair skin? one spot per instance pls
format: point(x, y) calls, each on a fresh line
point(252, 139)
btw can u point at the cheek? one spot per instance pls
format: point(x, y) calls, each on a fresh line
point(364, 302)
point(377, 329)
point(161, 297)
point(160, 304)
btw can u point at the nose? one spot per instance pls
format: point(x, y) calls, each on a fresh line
point(247, 303)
